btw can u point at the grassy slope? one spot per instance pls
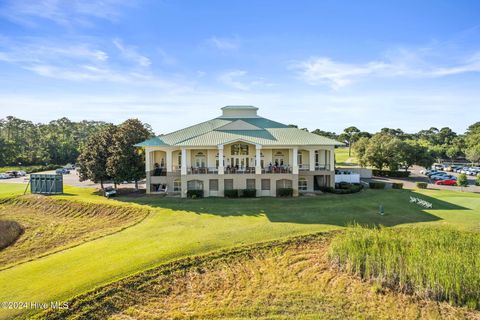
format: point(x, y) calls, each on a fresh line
point(282, 280)
point(180, 228)
point(50, 225)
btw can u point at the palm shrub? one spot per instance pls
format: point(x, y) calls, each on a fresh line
point(462, 180)
point(432, 262)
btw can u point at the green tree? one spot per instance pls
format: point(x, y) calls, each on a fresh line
point(462, 180)
point(349, 135)
point(127, 162)
point(359, 149)
point(382, 151)
point(93, 159)
point(473, 153)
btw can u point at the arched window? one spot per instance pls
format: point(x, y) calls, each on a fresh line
point(302, 184)
point(177, 185)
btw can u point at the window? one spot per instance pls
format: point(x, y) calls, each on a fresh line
point(228, 184)
point(239, 149)
point(195, 185)
point(302, 184)
point(265, 184)
point(316, 158)
point(299, 158)
point(250, 183)
point(177, 185)
point(200, 160)
point(179, 160)
point(213, 185)
point(284, 183)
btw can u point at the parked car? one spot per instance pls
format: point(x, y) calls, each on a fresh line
point(62, 171)
point(437, 167)
point(443, 177)
point(21, 173)
point(449, 182)
point(437, 173)
point(4, 176)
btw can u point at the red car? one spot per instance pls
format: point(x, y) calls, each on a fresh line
point(447, 182)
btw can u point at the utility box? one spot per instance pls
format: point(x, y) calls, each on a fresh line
point(46, 183)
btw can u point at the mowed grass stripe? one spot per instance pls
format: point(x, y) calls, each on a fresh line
point(178, 228)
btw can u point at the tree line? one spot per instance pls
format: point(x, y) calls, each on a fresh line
point(23, 142)
point(392, 148)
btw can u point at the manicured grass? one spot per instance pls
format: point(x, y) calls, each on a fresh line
point(51, 225)
point(341, 157)
point(281, 280)
point(437, 263)
point(11, 189)
point(179, 228)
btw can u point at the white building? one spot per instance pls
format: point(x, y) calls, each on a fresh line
point(239, 150)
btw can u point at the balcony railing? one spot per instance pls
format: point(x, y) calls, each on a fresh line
point(202, 170)
point(279, 169)
point(158, 172)
point(304, 167)
point(322, 166)
point(233, 170)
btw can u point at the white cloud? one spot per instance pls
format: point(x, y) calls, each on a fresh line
point(224, 43)
point(231, 79)
point(62, 12)
point(130, 53)
point(401, 63)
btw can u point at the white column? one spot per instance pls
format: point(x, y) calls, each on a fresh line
point(184, 161)
point(220, 159)
point(295, 161)
point(311, 159)
point(147, 160)
point(169, 160)
point(258, 159)
point(332, 159)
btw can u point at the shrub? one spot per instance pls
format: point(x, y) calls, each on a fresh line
point(396, 258)
point(343, 188)
point(249, 193)
point(477, 181)
point(462, 180)
point(393, 174)
point(232, 193)
point(376, 185)
point(397, 185)
point(284, 192)
point(421, 185)
point(194, 194)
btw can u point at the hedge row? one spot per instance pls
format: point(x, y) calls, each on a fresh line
point(284, 192)
point(397, 185)
point(343, 188)
point(194, 194)
point(243, 193)
point(376, 185)
point(392, 174)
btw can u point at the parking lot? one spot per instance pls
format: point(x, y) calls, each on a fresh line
point(417, 176)
point(72, 179)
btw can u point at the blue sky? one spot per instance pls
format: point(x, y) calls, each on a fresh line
point(318, 64)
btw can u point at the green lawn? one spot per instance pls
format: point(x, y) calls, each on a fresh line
point(178, 228)
point(341, 157)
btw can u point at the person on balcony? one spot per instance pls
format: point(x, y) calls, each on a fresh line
point(157, 171)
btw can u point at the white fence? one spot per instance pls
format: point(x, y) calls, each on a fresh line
point(351, 178)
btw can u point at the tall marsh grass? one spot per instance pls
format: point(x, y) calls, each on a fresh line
point(436, 263)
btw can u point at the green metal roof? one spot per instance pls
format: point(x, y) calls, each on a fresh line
point(210, 133)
